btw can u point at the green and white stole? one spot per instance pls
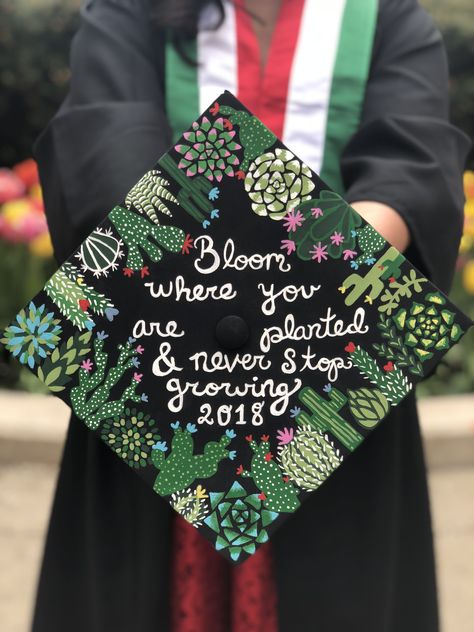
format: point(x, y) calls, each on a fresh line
point(311, 91)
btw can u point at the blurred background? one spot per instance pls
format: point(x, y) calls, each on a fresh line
point(35, 37)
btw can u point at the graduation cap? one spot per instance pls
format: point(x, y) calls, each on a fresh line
point(233, 330)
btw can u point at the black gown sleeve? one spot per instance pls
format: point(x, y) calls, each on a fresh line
point(406, 153)
point(111, 126)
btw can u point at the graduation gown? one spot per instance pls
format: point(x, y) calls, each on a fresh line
point(358, 554)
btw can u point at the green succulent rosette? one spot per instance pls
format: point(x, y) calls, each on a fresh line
point(209, 150)
point(131, 436)
point(428, 327)
point(368, 406)
point(239, 520)
point(276, 182)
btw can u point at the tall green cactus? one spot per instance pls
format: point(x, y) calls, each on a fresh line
point(141, 235)
point(324, 415)
point(277, 492)
point(254, 137)
point(193, 195)
point(90, 399)
point(182, 467)
point(391, 382)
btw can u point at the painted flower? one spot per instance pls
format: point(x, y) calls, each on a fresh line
point(428, 327)
point(349, 254)
point(87, 365)
point(285, 436)
point(288, 245)
point(317, 212)
point(293, 220)
point(33, 335)
point(277, 182)
point(337, 238)
point(131, 436)
point(319, 253)
point(239, 520)
point(209, 150)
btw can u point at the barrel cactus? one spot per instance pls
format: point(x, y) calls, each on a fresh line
point(100, 252)
point(309, 458)
point(276, 182)
point(368, 406)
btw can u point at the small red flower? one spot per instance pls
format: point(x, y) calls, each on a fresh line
point(187, 244)
point(350, 348)
point(268, 456)
point(240, 174)
point(127, 272)
point(388, 367)
point(227, 124)
point(240, 469)
point(262, 496)
point(265, 437)
point(249, 438)
point(145, 271)
point(84, 304)
point(286, 479)
point(214, 109)
point(392, 279)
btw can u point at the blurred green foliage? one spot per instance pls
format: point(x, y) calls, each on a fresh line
point(34, 46)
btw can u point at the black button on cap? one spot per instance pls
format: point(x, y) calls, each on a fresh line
point(232, 332)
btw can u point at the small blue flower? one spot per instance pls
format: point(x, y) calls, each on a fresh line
point(206, 223)
point(230, 433)
point(354, 265)
point(131, 340)
point(160, 445)
point(191, 428)
point(353, 233)
point(370, 261)
point(295, 411)
point(101, 335)
point(175, 425)
point(232, 454)
point(135, 362)
point(213, 194)
point(327, 388)
point(215, 213)
point(144, 397)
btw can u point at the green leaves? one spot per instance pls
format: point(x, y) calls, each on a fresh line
point(58, 369)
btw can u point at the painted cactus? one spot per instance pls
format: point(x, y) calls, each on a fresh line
point(277, 493)
point(329, 220)
point(90, 398)
point(182, 467)
point(368, 406)
point(324, 416)
point(191, 504)
point(394, 385)
point(140, 235)
point(100, 252)
point(309, 458)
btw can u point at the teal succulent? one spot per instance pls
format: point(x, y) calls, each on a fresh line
point(239, 520)
point(34, 335)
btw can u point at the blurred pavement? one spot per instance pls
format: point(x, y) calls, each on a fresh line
point(31, 432)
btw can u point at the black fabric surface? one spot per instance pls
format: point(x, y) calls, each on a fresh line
point(359, 552)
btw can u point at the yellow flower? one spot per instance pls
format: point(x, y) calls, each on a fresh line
point(466, 244)
point(200, 492)
point(16, 210)
point(36, 193)
point(468, 277)
point(41, 246)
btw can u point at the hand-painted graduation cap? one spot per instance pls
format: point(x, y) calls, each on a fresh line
point(233, 329)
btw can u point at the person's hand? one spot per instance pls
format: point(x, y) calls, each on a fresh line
point(386, 220)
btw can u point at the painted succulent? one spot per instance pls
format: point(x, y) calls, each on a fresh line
point(33, 336)
point(277, 182)
point(192, 504)
point(428, 326)
point(239, 521)
point(131, 436)
point(368, 406)
point(209, 149)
